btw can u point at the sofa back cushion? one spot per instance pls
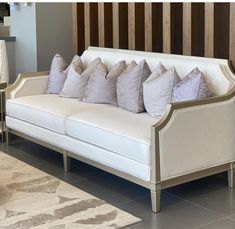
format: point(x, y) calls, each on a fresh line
point(216, 73)
point(130, 86)
point(101, 87)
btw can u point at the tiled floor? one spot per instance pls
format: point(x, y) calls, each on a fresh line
point(207, 203)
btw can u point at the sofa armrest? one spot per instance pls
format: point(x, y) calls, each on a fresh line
point(28, 84)
point(193, 136)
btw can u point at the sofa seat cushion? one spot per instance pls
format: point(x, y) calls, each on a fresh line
point(48, 111)
point(114, 129)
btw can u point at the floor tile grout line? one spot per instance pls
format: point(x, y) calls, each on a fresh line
point(193, 203)
point(213, 221)
point(128, 201)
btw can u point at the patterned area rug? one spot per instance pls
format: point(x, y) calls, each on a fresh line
point(30, 198)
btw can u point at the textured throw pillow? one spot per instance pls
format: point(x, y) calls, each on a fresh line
point(130, 86)
point(57, 75)
point(77, 79)
point(158, 91)
point(193, 86)
point(102, 85)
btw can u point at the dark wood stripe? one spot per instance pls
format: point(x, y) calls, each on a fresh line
point(80, 29)
point(157, 27)
point(198, 29)
point(176, 28)
point(94, 31)
point(123, 25)
point(221, 30)
point(108, 25)
point(139, 27)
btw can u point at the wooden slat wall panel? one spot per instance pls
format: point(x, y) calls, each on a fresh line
point(232, 34)
point(166, 14)
point(209, 29)
point(86, 24)
point(131, 25)
point(115, 8)
point(101, 23)
point(148, 26)
point(187, 28)
point(201, 29)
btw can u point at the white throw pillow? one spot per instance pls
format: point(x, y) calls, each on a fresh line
point(77, 79)
point(158, 91)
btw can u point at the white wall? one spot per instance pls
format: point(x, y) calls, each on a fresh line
point(41, 30)
point(23, 27)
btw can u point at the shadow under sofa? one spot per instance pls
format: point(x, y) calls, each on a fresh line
point(193, 139)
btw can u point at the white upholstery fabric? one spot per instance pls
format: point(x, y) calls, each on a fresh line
point(115, 129)
point(81, 148)
point(4, 71)
point(197, 138)
point(34, 85)
point(212, 68)
point(48, 111)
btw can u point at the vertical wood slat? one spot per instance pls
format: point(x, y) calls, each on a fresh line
point(209, 29)
point(166, 14)
point(101, 23)
point(148, 26)
point(187, 33)
point(87, 24)
point(232, 34)
point(131, 26)
point(75, 28)
point(115, 24)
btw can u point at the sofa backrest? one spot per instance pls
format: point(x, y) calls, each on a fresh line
point(218, 75)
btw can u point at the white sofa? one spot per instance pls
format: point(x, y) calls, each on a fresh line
point(193, 139)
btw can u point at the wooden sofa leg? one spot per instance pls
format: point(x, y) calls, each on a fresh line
point(155, 200)
point(231, 176)
point(67, 162)
point(8, 137)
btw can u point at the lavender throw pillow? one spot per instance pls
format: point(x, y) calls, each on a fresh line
point(192, 87)
point(77, 79)
point(102, 84)
point(130, 86)
point(57, 75)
